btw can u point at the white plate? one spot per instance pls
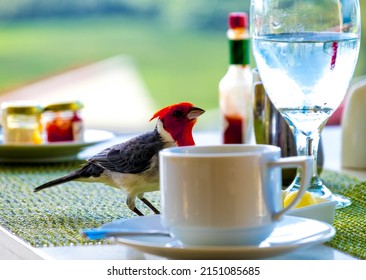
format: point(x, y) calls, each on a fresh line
point(291, 233)
point(51, 152)
point(323, 210)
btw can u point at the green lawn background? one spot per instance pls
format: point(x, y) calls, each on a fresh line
point(175, 64)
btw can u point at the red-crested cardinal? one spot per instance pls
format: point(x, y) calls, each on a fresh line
point(133, 166)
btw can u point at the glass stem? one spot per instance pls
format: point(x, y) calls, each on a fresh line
point(307, 145)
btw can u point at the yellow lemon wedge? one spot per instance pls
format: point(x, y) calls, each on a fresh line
point(306, 200)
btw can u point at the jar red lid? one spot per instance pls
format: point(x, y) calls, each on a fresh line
point(238, 20)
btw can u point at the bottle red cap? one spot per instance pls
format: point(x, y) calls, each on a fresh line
point(238, 20)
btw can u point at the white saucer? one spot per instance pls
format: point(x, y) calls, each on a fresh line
point(51, 152)
point(290, 234)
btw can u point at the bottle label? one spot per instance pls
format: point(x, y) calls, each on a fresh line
point(239, 51)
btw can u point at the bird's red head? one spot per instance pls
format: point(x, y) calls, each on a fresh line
point(178, 120)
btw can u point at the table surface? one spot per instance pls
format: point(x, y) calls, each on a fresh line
point(12, 247)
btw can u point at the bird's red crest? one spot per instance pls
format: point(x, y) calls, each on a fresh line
point(162, 112)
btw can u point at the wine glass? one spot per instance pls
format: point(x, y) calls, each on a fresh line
point(306, 52)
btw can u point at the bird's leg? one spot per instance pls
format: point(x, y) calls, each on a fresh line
point(148, 204)
point(131, 205)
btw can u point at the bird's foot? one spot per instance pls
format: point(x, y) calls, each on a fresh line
point(138, 212)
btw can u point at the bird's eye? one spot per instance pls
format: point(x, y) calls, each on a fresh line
point(178, 114)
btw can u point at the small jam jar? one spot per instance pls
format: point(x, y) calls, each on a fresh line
point(63, 122)
point(21, 122)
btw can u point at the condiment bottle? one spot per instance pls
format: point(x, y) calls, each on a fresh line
point(21, 122)
point(235, 87)
point(63, 121)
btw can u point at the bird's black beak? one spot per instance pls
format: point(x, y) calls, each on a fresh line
point(195, 112)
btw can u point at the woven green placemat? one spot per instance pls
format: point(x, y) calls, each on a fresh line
point(350, 222)
point(55, 217)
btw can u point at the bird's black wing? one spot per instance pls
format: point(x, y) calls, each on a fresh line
point(133, 156)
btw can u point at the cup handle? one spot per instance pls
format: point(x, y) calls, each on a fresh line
point(306, 165)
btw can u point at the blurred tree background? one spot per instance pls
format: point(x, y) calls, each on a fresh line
point(179, 46)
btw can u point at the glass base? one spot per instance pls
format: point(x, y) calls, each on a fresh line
point(342, 201)
point(318, 189)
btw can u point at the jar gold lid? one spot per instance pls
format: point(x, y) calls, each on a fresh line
point(64, 106)
point(21, 107)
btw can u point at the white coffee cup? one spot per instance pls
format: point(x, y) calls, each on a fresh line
point(225, 194)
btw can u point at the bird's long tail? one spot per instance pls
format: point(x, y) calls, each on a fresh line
point(89, 170)
point(58, 181)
